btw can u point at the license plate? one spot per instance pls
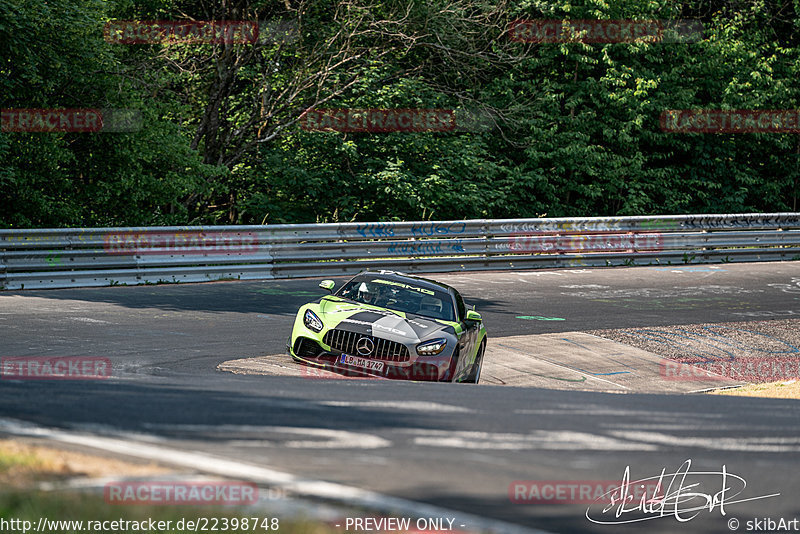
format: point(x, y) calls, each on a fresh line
point(369, 365)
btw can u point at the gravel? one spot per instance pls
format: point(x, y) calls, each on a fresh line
point(754, 351)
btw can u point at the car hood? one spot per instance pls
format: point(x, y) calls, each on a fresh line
point(380, 322)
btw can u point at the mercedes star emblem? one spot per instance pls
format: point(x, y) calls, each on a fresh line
point(365, 346)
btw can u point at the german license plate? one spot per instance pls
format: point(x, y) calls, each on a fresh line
point(369, 365)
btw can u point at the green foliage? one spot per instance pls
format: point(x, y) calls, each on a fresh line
point(573, 131)
point(54, 56)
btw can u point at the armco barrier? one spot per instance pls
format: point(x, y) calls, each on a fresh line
point(75, 257)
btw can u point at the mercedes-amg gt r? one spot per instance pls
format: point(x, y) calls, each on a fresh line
point(391, 325)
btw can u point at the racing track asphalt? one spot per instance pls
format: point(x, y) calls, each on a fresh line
point(456, 446)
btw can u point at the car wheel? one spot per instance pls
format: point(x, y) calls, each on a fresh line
point(475, 370)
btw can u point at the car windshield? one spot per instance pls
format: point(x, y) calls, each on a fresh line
point(399, 296)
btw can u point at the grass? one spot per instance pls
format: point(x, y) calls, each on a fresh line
point(17, 459)
point(23, 467)
point(772, 390)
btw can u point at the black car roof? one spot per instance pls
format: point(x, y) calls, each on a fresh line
point(407, 278)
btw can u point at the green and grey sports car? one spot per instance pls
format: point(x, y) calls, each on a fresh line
point(391, 325)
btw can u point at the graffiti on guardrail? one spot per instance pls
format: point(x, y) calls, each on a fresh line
point(437, 228)
point(741, 221)
point(188, 242)
point(548, 243)
point(375, 230)
point(421, 247)
point(595, 225)
point(601, 225)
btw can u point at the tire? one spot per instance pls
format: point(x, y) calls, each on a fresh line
point(475, 369)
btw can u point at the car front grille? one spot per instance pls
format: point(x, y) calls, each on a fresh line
point(345, 341)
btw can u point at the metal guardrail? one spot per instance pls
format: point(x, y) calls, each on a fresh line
point(82, 257)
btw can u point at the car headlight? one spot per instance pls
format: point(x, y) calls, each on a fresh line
point(431, 348)
point(311, 321)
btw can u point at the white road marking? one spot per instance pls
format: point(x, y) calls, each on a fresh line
point(342, 439)
point(595, 410)
point(88, 320)
point(536, 440)
point(771, 444)
point(694, 425)
point(401, 405)
point(207, 463)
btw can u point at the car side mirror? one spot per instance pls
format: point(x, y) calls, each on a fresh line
point(472, 315)
point(327, 284)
